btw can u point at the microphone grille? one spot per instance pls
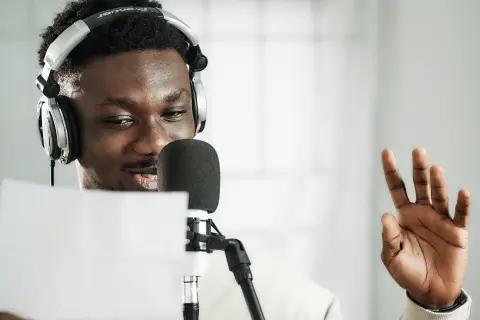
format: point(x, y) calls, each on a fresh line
point(192, 166)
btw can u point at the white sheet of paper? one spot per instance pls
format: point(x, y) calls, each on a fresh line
point(71, 254)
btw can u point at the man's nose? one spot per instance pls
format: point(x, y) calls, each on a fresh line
point(154, 138)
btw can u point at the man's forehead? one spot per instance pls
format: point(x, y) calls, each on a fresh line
point(148, 70)
point(137, 61)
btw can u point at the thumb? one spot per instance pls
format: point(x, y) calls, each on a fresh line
point(392, 238)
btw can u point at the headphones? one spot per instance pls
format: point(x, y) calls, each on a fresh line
point(57, 124)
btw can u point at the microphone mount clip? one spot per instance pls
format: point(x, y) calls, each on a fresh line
point(237, 260)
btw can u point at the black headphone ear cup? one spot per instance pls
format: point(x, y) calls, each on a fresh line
point(194, 105)
point(72, 128)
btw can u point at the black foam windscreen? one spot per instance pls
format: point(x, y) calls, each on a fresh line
point(192, 166)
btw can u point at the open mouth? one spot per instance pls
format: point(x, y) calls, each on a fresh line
point(147, 178)
point(147, 181)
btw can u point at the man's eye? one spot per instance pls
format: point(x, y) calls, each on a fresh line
point(118, 121)
point(173, 115)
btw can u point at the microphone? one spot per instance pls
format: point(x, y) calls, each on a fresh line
point(192, 166)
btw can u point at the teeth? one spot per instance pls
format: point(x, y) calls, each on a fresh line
point(150, 185)
point(147, 181)
point(149, 176)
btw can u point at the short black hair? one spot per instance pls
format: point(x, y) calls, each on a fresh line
point(135, 32)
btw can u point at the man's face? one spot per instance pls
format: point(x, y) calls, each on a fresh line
point(130, 106)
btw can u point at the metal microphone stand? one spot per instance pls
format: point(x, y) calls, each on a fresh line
point(191, 305)
point(238, 263)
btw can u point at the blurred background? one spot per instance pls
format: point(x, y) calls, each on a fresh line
point(303, 95)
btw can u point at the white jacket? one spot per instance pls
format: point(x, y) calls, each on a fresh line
point(285, 295)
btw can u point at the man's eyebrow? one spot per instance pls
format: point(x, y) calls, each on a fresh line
point(128, 103)
point(118, 101)
point(176, 95)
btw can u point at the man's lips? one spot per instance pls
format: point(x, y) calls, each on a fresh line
point(147, 178)
point(150, 170)
point(146, 181)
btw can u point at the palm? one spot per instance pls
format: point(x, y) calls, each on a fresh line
point(425, 250)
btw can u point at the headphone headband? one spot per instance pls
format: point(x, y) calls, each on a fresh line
point(59, 49)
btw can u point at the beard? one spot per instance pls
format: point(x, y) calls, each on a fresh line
point(90, 181)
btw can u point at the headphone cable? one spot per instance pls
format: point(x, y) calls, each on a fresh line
point(52, 173)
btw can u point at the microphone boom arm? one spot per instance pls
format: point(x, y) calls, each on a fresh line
point(238, 263)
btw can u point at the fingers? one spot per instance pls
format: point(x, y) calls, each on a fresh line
point(392, 238)
point(394, 180)
point(439, 191)
point(421, 177)
point(462, 209)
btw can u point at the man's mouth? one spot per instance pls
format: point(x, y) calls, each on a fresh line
point(146, 178)
point(147, 181)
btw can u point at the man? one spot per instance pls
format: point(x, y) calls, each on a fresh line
point(130, 92)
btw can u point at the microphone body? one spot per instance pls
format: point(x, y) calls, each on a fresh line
point(192, 166)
